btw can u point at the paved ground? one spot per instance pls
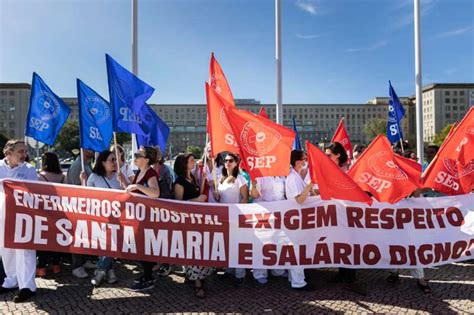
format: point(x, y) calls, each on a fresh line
point(452, 285)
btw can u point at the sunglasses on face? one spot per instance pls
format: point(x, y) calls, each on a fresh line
point(138, 155)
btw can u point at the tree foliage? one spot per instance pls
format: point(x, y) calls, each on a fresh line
point(374, 127)
point(68, 138)
point(195, 150)
point(439, 137)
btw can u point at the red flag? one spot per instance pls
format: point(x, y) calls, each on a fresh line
point(342, 137)
point(452, 170)
point(218, 82)
point(263, 113)
point(389, 177)
point(332, 181)
point(265, 146)
point(220, 132)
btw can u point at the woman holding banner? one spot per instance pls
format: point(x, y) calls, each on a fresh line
point(296, 188)
point(336, 152)
point(50, 172)
point(146, 183)
point(187, 188)
point(232, 188)
point(105, 175)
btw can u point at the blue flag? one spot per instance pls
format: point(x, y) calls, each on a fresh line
point(128, 94)
point(157, 130)
point(47, 113)
point(395, 115)
point(297, 143)
point(95, 119)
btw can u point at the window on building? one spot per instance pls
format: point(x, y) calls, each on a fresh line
point(447, 100)
point(455, 100)
point(455, 93)
point(446, 93)
point(12, 93)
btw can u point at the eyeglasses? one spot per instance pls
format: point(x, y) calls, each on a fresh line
point(138, 155)
point(229, 160)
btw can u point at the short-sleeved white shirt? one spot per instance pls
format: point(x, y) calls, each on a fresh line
point(22, 171)
point(271, 188)
point(230, 192)
point(294, 184)
point(101, 182)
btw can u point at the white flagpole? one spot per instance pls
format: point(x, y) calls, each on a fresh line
point(279, 105)
point(419, 100)
point(134, 55)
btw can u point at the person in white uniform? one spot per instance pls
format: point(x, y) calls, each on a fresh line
point(263, 189)
point(19, 264)
point(296, 188)
point(232, 188)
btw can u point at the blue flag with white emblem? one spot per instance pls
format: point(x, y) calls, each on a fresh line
point(95, 119)
point(297, 143)
point(395, 115)
point(128, 94)
point(47, 112)
point(157, 130)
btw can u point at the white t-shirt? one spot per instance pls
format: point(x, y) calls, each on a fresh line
point(230, 192)
point(271, 188)
point(294, 184)
point(22, 171)
point(102, 182)
point(127, 171)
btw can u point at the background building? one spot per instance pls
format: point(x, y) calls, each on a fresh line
point(442, 104)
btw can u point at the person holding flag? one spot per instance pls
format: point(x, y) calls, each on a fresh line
point(395, 114)
point(296, 188)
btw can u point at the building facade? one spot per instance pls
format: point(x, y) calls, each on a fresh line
point(442, 104)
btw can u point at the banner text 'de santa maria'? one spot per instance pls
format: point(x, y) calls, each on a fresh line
point(413, 233)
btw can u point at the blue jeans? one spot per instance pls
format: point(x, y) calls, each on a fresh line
point(105, 263)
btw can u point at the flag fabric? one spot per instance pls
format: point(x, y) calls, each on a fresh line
point(128, 94)
point(297, 144)
point(395, 114)
point(95, 119)
point(47, 112)
point(218, 82)
point(342, 137)
point(389, 177)
point(265, 146)
point(333, 182)
point(452, 170)
point(220, 132)
point(262, 113)
point(157, 130)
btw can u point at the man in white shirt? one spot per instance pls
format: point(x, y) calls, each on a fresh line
point(19, 264)
point(296, 188)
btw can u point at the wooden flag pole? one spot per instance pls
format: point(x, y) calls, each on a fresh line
point(117, 157)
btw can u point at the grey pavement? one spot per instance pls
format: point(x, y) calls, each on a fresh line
point(452, 286)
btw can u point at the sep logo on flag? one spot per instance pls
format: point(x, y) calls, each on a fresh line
point(224, 120)
point(456, 169)
point(97, 109)
point(384, 167)
point(50, 106)
point(258, 139)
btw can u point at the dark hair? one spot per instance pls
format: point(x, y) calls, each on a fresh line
point(150, 154)
point(181, 164)
point(359, 148)
point(296, 155)
point(235, 171)
point(99, 168)
point(50, 163)
point(337, 148)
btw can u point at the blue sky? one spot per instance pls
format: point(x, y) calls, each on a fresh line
point(334, 51)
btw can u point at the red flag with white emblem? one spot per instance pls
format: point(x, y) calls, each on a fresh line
point(333, 182)
point(265, 146)
point(452, 170)
point(342, 137)
point(389, 177)
point(218, 82)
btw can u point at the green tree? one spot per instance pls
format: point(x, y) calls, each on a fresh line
point(374, 127)
point(123, 138)
point(439, 137)
point(195, 150)
point(68, 138)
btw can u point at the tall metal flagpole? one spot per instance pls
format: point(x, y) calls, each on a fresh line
point(279, 105)
point(419, 100)
point(134, 55)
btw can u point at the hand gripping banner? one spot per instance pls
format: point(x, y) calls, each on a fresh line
point(414, 233)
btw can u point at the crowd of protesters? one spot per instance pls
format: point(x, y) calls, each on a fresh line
point(219, 180)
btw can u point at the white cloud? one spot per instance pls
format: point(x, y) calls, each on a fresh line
point(308, 36)
point(455, 32)
point(426, 6)
point(372, 47)
point(308, 6)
